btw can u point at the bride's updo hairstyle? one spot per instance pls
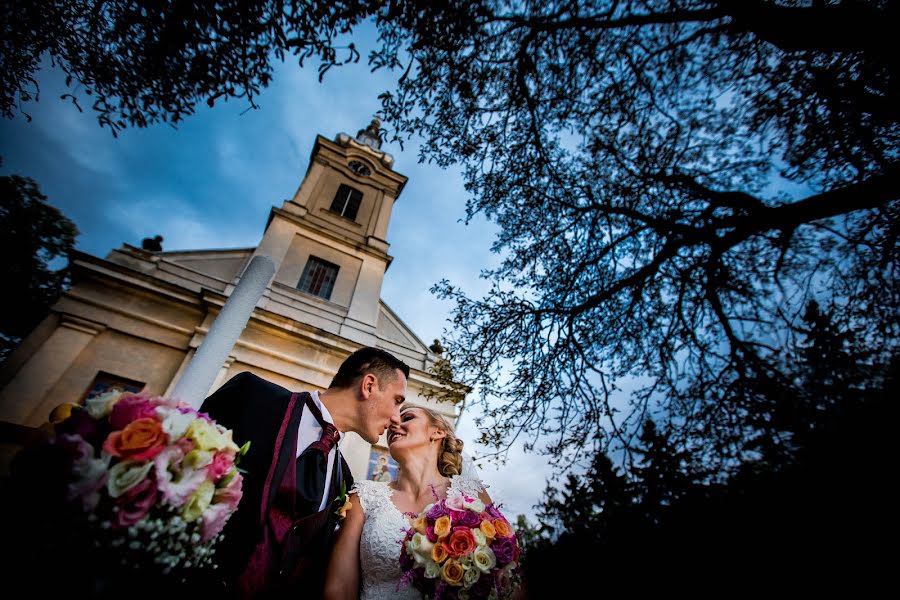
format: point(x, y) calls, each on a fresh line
point(449, 460)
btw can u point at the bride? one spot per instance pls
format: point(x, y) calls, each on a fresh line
point(369, 540)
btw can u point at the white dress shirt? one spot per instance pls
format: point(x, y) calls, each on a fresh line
point(310, 431)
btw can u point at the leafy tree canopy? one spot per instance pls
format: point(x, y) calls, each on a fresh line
point(673, 179)
point(32, 234)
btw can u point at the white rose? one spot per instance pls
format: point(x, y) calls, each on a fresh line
point(475, 505)
point(100, 406)
point(470, 576)
point(422, 545)
point(413, 551)
point(484, 559)
point(432, 570)
point(174, 422)
point(125, 475)
point(480, 538)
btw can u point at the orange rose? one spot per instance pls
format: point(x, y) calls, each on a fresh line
point(439, 553)
point(461, 542)
point(142, 439)
point(442, 527)
point(452, 572)
point(488, 529)
point(502, 527)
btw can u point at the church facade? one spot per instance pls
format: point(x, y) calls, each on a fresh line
point(134, 319)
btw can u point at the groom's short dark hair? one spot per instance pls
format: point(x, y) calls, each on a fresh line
point(369, 360)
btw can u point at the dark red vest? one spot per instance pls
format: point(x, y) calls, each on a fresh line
point(292, 555)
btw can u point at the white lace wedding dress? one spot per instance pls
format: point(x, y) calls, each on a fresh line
point(382, 534)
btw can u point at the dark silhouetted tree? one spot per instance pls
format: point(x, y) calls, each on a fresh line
point(806, 518)
point(663, 473)
point(32, 234)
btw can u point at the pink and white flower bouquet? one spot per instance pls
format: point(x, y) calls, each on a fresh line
point(151, 481)
point(458, 548)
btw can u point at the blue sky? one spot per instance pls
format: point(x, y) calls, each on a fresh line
point(211, 182)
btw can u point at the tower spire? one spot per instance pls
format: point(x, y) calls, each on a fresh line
point(371, 135)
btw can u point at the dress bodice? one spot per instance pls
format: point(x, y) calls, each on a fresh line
point(382, 534)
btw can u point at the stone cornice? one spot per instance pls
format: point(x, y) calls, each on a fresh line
point(305, 223)
point(82, 263)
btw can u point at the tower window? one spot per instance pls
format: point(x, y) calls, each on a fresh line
point(346, 201)
point(318, 277)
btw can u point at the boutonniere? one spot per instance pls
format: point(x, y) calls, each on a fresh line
point(343, 502)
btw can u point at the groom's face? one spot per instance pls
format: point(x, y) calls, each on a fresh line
point(382, 405)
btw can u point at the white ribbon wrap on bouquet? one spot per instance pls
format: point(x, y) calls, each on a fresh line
point(226, 329)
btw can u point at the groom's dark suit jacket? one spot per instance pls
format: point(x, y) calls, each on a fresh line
point(255, 410)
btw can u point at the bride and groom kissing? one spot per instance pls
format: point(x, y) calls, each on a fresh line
point(289, 538)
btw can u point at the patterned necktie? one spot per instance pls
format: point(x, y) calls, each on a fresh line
point(312, 464)
point(329, 437)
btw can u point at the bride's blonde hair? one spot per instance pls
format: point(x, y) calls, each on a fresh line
point(449, 460)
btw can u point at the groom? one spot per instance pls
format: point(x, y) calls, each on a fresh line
point(277, 543)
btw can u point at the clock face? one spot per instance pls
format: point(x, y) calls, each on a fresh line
point(359, 168)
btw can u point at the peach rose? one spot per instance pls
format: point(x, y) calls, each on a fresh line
point(439, 553)
point(420, 525)
point(488, 529)
point(452, 572)
point(502, 527)
point(141, 439)
point(442, 527)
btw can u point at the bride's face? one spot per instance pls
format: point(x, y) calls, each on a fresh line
point(415, 431)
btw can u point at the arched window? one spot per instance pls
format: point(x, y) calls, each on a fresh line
point(346, 202)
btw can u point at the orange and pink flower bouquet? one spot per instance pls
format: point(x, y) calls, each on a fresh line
point(149, 481)
point(458, 548)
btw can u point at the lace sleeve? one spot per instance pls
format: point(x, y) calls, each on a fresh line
point(372, 494)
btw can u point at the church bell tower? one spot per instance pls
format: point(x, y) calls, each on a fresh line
point(329, 241)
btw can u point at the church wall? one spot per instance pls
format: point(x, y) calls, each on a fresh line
point(221, 268)
point(145, 312)
point(115, 353)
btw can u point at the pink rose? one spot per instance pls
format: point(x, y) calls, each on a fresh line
point(220, 465)
point(131, 506)
point(225, 502)
point(230, 494)
point(130, 408)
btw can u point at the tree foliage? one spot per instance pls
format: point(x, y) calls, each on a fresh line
point(674, 180)
point(142, 62)
point(32, 234)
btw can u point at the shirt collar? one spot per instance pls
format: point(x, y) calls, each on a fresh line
point(326, 416)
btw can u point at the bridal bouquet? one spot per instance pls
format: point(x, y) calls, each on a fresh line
point(458, 548)
point(149, 481)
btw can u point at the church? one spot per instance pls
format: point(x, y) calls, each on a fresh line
point(134, 319)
